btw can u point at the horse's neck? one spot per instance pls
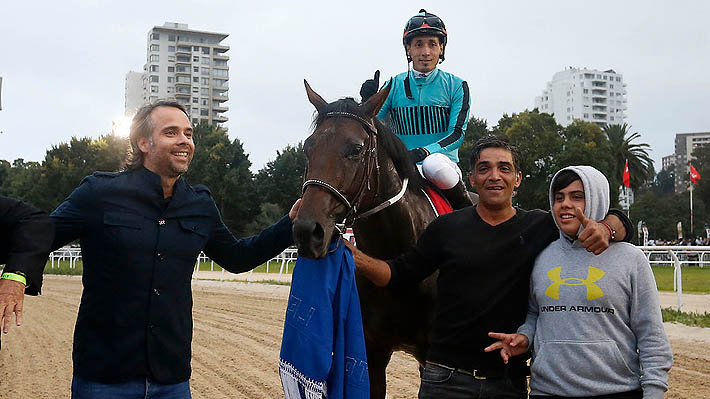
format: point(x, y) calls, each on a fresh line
point(397, 227)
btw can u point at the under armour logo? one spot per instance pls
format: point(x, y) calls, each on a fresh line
point(593, 290)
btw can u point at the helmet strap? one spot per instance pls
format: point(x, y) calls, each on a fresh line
point(407, 86)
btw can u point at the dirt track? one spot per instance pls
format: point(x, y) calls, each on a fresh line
point(236, 345)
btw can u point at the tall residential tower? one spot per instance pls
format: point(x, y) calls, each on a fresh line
point(187, 66)
point(685, 143)
point(587, 94)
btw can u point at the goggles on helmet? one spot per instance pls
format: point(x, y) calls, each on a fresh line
point(423, 24)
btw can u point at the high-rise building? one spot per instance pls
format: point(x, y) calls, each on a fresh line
point(685, 143)
point(134, 92)
point(668, 162)
point(187, 66)
point(587, 94)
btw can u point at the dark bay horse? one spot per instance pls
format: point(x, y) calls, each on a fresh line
point(356, 167)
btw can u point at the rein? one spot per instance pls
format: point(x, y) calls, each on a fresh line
point(370, 164)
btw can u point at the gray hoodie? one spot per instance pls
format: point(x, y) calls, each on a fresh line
point(595, 321)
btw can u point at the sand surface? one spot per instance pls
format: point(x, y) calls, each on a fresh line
point(236, 344)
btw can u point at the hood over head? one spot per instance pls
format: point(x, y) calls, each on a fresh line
point(596, 193)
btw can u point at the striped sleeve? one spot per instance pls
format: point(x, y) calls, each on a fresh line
point(458, 120)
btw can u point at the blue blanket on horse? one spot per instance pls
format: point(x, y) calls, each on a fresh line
point(323, 348)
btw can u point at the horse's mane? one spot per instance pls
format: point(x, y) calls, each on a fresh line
point(392, 144)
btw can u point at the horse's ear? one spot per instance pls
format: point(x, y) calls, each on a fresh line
point(314, 97)
point(372, 106)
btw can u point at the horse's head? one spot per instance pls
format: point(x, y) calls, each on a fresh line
point(341, 157)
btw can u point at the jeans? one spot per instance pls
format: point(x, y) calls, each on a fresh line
point(139, 388)
point(621, 395)
point(444, 383)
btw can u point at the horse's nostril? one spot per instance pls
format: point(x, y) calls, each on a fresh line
point(318, 233)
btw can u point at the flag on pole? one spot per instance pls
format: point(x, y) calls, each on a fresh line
point(626, 179)
point(694, 175)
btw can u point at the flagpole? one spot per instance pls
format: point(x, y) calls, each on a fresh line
point(691, 208)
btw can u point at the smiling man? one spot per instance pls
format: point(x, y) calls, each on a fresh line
point(484, 255)
point(141, 231)
point(428, 108)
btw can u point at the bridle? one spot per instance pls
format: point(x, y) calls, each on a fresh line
point(370, 165)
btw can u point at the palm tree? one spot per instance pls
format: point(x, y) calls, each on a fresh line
point(622, 149)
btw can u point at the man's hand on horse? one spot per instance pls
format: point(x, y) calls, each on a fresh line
point(12, 295)
point(294, 209)
point(595, 236)
point(509, 344)
point(370, 87)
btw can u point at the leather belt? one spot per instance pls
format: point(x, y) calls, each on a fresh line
point(477, 374)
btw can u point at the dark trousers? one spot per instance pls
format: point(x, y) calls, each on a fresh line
point(440, 382)
point(139, 388)
point(621, 395)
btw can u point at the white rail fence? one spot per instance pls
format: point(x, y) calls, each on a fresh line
point(676, 256)
point(73, 255)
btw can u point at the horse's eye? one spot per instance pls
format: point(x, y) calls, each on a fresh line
point(355, 151)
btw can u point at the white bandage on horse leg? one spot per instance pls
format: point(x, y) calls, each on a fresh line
point(440, 170)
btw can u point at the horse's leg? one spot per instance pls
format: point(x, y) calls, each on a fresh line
point(377, 359)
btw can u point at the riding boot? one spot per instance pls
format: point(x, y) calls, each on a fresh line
point(458, 196)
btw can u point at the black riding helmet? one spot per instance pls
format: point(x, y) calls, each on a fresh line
point(424, 23)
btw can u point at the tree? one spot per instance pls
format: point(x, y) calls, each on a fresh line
point(540, 141)
point(269, 213)
point(661, 213)
point(664, 182)
point(5, 170)
point(279, 182)
point(586, 144)
point(23, 184)
point(622, 149)
point(476, 129)
point(66, 164)
point(701, 162)
point(223, 166)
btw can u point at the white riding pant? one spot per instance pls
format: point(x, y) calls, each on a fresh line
point(440, 170)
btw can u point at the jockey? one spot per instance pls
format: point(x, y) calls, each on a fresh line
point(427, 107)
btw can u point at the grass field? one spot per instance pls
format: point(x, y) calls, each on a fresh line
point(695, 279)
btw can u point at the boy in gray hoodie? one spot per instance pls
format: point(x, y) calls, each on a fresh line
point(595, 320)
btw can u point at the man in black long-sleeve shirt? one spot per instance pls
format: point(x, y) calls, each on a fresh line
point(484, 255)
point(26, 234)
point(141, 231)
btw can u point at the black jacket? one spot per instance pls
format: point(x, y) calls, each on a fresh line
point(139, 251)
point(26, 234)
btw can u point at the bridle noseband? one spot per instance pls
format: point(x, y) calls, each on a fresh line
point(370, 163)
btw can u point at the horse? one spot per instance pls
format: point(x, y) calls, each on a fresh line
point(359, 171)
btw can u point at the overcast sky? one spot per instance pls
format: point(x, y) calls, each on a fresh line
point(63, 63)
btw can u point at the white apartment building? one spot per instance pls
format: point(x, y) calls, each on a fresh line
point(134, 92)
point(587, 94)
point(668, 162)
point(187, 66)
point(685, 143)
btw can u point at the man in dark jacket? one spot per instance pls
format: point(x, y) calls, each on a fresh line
point(26, 234)
point(141, 231)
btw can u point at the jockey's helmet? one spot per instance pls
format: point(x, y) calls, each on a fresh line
point(424, 23)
